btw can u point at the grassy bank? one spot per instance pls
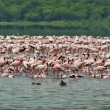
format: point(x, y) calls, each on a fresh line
point(63, 24)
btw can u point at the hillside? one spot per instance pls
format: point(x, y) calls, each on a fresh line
point(63, 13)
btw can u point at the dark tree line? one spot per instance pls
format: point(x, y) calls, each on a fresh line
point(54, 10)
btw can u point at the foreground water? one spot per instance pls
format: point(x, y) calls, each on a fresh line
point(80, 94)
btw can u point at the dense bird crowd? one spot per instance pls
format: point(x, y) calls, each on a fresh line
point(55, 56)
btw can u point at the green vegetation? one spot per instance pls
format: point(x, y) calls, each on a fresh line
point(83, 14)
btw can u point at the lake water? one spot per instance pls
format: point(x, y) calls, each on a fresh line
point(57, 32)
point(80, 94)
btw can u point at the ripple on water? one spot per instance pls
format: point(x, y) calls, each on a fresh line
point(81, 94)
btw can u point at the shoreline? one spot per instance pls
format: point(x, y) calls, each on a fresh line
point(89, 25)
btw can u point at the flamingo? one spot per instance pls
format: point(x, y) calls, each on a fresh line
point(100, 69)
point(16, 64)
point(39, 68)
point(56, 67)
point(63, 75)
point(93, 74)
point(6, 74)
point(42, 67)
point(104, 76)
point(11, 76)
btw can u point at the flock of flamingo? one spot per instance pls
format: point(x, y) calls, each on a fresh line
point(55, 56)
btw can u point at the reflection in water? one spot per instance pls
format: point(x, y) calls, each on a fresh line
point(46, 31)
point(18, 93)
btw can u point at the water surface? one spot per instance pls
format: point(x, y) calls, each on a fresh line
point(57, 32)
point(80, 94)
